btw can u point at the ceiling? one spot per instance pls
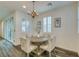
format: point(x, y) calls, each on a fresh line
point(7, 7)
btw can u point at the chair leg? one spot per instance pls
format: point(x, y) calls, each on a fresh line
point(49, 54)
point(27, 54)
point(54, 52)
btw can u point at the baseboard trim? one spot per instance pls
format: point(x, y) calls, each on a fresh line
point(68, 51)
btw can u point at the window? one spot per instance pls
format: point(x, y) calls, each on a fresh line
point(25, 26)
point(47, 24)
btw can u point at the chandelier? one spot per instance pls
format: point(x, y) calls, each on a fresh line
point(34, 13)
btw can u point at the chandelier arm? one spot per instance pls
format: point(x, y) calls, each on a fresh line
point(33, 5)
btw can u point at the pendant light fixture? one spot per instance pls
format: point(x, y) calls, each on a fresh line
point(34, 13)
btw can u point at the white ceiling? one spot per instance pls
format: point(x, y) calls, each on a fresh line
point(41, 6)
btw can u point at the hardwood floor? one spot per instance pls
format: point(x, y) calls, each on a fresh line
point(8, 50)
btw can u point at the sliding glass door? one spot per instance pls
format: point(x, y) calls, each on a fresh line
point(8, 29)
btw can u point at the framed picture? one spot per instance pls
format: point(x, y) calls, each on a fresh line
point(58, 22)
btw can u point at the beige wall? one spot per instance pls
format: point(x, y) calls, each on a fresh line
point(66, 36)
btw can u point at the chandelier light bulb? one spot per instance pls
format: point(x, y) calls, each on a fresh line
point(24, 6)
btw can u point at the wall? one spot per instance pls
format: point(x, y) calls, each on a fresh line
point(18, 32)
point(66, 36)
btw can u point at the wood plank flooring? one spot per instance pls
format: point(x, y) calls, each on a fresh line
point(8, 50)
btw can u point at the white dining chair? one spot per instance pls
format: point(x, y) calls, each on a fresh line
point(50, 45)
point(27, 46)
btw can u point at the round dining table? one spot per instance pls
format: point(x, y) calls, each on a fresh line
point(38, 41)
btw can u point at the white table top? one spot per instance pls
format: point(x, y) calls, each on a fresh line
point(38, 39)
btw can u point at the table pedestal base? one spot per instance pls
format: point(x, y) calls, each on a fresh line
point(38, 51)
